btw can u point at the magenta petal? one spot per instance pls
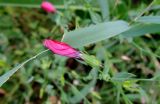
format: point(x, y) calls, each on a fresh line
point(61, 48)
point(48, 7)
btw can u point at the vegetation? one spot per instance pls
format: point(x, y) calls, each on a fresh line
point(123, 35)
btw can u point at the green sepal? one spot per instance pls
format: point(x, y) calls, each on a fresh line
point(91, 60)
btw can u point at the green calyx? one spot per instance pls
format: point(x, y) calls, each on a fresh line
point(91, 60)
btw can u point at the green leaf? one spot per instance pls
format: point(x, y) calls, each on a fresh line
point(104, 9)
point(149, 19)
point(122, 76)
point(96, 18)
point(91, 75)
point(8, 74)
point(141, 29)
point(84, 36)
point(79, 95)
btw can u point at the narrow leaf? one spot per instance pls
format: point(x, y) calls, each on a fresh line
point(141, 29)
point(79, 95)
point(94, 33)
point(104, 9)
point(96, 18)
point(122, 76)
point(8, 74)
point(149, 19)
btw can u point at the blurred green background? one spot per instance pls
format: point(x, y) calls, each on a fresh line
point(52, 79)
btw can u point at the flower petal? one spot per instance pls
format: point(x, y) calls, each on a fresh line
point(48, 7)
point(61, 48)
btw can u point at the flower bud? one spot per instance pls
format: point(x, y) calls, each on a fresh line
point(48, 7)
point(61, 48)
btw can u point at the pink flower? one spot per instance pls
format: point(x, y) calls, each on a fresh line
point(61, 48)
point(48, 7)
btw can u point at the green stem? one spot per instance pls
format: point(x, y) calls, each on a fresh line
point(76, 7)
